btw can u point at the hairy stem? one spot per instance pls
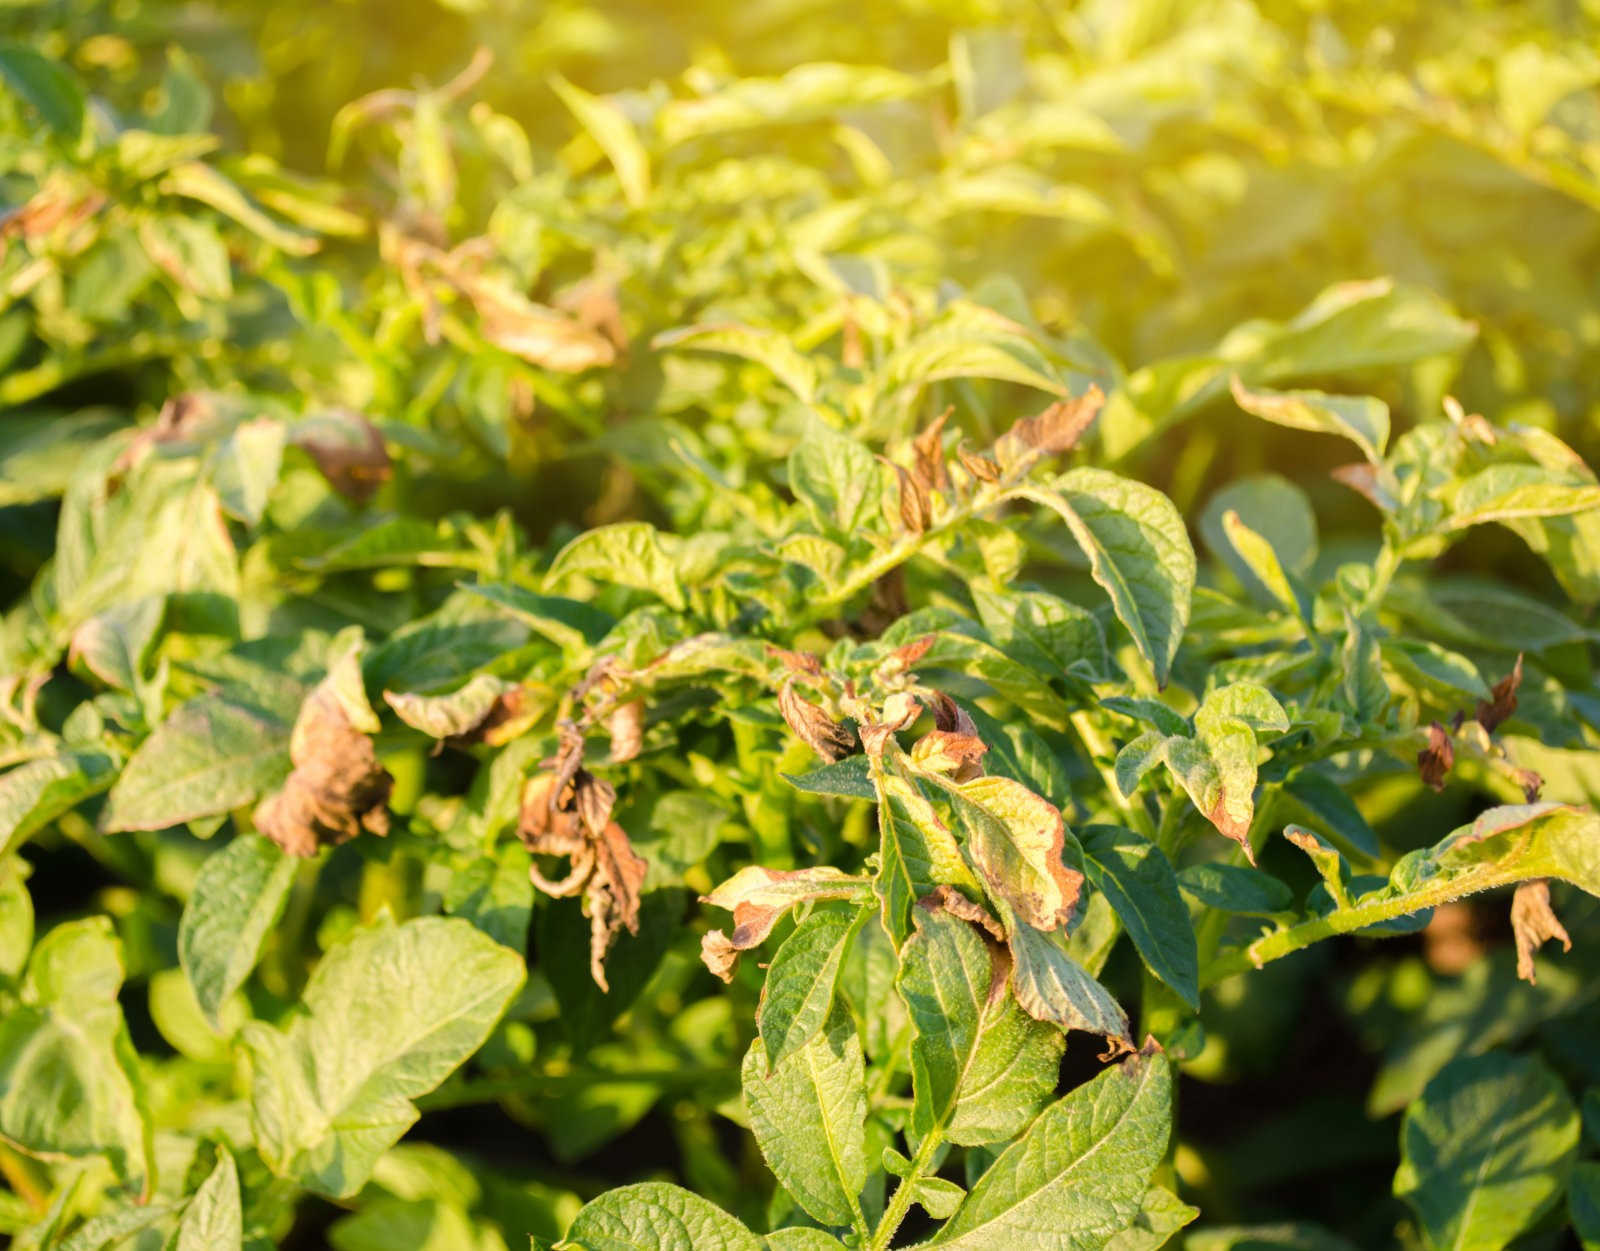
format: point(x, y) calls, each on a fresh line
point(906, 1191)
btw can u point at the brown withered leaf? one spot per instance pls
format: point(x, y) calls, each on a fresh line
point(1362, 478)
point(1450, 942)
point(337, 788)
point(899, 711)
point(958, 905)
point(812, 726)
point(594, 305)
point(977, 464)
point(1534, 923)
point(946, 751)
point(349, 451)
point(1532, 783)
point(916, 508)
point(928, 449)
point(804, 663)
point(1502, 702)
point(1050, 433)
point(907, 655)
point(572, 818)
point(626, 727)
point(1435, 761)
point(950, 716)
point(758, 898)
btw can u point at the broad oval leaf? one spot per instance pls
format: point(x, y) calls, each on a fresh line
point(655, 1216)
point(35, 793)
point(387, 1016)
point(1138, 879)
point(1486, 1150)
point(809, 1118)
point(798, 994)
point(238, 896)
point(1078, 1177)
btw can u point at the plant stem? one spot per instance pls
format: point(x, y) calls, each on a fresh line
point(906, 1191)
point(19, 1173)
point(1279, 943)
point(1100, 754)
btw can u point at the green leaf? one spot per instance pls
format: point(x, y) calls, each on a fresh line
point(848, 778)
point(1286, 1237)
point(1138, 879)
point(192, 253)
point(765, 347)
point(213, 1221)
point(34, 794)
point(16, 917)
point(238, 896)
point(1486, 1150)
point(458, 712)
point(1363, 419)
point(1583, 1204)
point(570, 624)
point(980, 1067)
point(836, 478)
point(1078, 1177)
point(629, 553)
point(212, 755)
point(1235, 888)
point(1513, 492)
point(804, 1238)
point(808, 1115)
point(1042, 631)
point(247, 466)
point(609, 127)
point(47, 85)
point(389, 1224)
point(916, 853)
point(1138, 550)
point(115, 645)
point(69, 1078)
point(798, 994)
point(1162, 1215)
point(386, 1017)
point(494, 893)
point(655, 1216)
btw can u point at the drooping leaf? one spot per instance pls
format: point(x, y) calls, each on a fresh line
point(1051, 986)
point(1363, 419)
point(386, 1017)
point(1138, 879)
point(1018, 841)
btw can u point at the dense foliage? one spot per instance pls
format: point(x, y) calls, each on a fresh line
point(607, 638)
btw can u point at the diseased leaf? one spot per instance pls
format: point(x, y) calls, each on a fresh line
point(917, 853)
point(758, 898)
point(386, 1017)
point(1363, 419)
point(1054, 1188)
point(980, 1067)
point(238, 896)
point(808, 1115)
point(1486, 1150)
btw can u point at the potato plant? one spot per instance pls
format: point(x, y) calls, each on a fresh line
point(679, 674)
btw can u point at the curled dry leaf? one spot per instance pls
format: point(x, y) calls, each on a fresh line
point(758, 897)
point(571, 816)
point(916, 506)
point(337, 788)
point(1435, 761)
point(626, 727)
point(948, 898)
point(978, 465)
point(899, 711)
point(1052, 432)
point(796, 662)
point(1534, 923)
point(928, 448)
point(486, 710)
point(1502, 701)
point(946, 751)
point(815, 728)
point(349, 451)
point(906, 656)
point(950, 716)
point(1531, 782)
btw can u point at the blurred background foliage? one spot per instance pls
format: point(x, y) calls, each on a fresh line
point(578, 260)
